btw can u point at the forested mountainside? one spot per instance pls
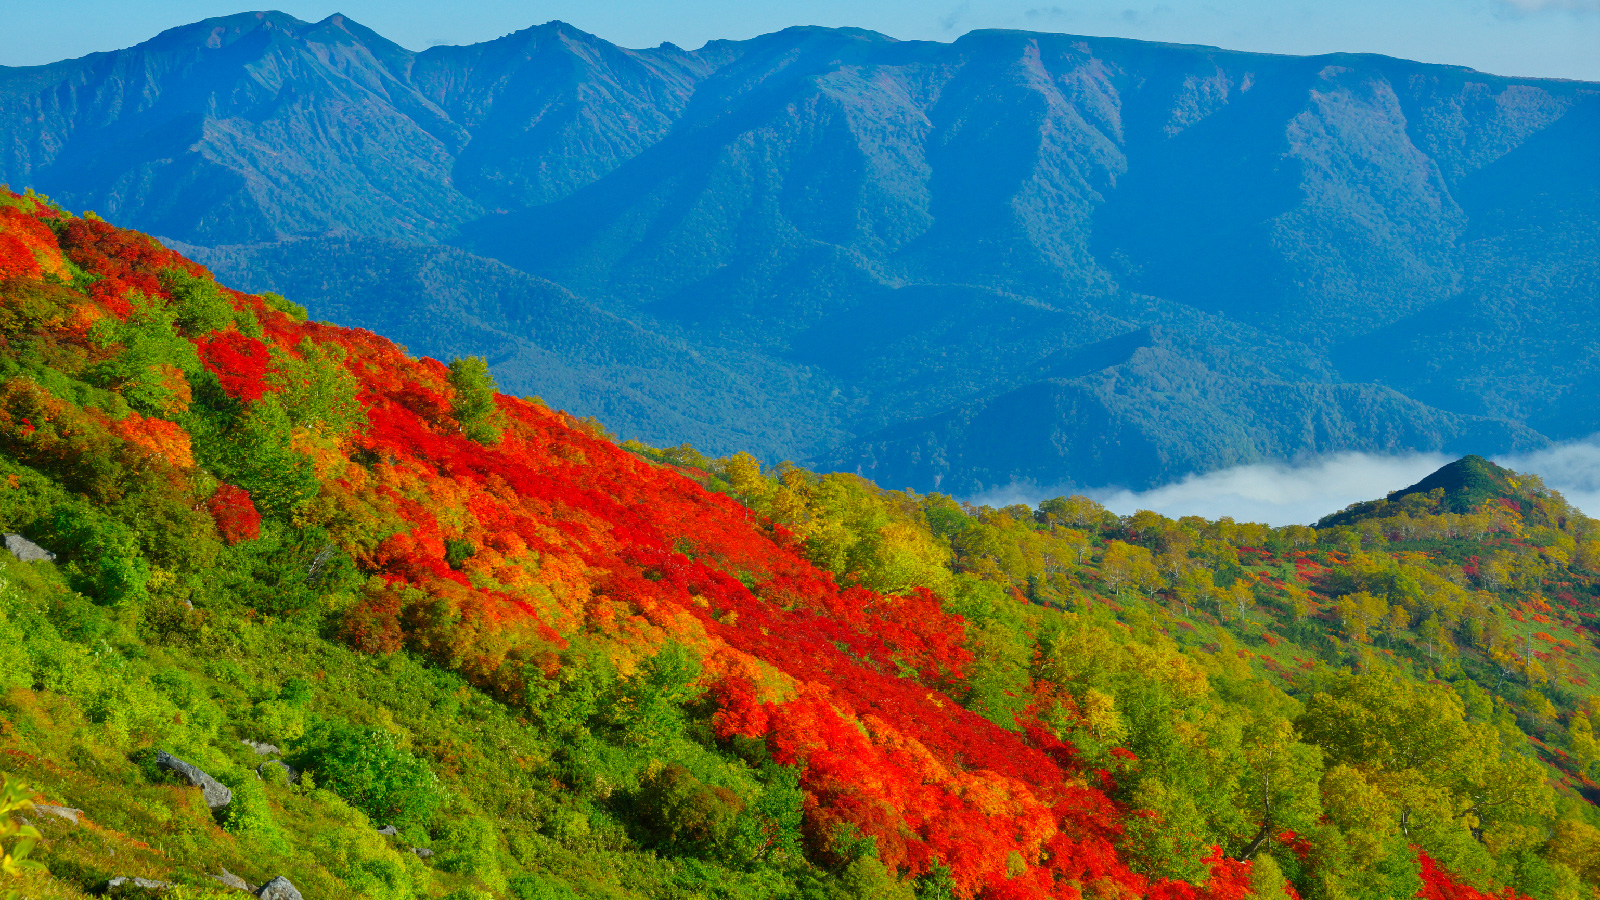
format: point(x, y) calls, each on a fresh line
point(423, 639)
point(887, 251)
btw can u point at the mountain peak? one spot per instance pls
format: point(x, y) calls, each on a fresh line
point(1458, 487)
point(1467, 483)
point(219, 31)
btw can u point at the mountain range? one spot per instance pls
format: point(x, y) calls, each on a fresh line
point(1042, 258)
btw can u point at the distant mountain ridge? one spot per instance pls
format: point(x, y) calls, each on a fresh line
point(915, 260)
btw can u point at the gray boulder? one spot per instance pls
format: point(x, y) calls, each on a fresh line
point(289, 773)
point(149, 884)
point(262, 748)
point(26, 550)
point(422, 852)
point(60, 812)
point(228, 879)
point(217, 795)
point(278, 888)
point(389, 830)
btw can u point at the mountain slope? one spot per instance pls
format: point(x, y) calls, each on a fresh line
point(497, 655)
point(399, 503)
point(866, 232)
point(1152, 417)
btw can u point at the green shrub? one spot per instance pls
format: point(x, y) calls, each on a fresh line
point(198, 305)
point(369, 770)
point(470, 849)
point(102, 555)
point(248, 814)
point(277, 302)
point(539, 887)
point(684, 814)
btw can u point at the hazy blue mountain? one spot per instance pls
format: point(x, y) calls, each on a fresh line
point(1073, 260)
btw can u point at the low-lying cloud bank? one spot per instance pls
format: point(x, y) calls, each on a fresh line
point(1284, 494)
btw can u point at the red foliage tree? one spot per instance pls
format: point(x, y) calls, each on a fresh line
point(1437, 884)
point(235, 514)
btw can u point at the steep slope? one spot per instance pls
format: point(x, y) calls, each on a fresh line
point(1515, 341)
point(248, 128)
point(405, 504)
point(498, 655)
point(258, 127)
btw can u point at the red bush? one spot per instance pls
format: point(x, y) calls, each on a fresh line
point(239, 362)
point(235, 514)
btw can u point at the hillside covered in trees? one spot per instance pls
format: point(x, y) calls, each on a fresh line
point(429, 640)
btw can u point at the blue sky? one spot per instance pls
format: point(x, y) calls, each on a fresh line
point(1549, 38)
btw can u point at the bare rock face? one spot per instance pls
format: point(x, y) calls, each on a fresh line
point(262, 748)
point(422, 852)
point(388, 831)
point(279, 888)
point(26, 550)
point(216, 793)
point(60, 812)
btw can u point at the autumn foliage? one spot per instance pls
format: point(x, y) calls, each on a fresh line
point(236, 517)
point(492, 550)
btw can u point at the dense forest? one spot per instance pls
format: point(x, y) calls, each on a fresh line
point(411, 637)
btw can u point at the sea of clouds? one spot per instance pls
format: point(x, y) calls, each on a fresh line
point(1301, 493)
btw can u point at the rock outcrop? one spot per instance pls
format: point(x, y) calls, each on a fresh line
point(26, 550)
point(278, 888)
point(216, 793)
point(123, 882)
point(60, 812)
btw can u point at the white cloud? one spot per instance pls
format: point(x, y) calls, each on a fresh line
point(1573, 469)
point(1283, 494)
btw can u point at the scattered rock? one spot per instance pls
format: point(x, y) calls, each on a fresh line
point(422, 852)
point(62, 812)
point(231, 880)
point(217, 795)
point(26, 550)
point(389, 830)
point(148, 884)
point(289, 773)
point(262, 749)
point(278, 888)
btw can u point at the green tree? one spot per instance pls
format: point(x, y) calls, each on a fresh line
point(473, 404)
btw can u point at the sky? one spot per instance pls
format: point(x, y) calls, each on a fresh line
point(1542, 38)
